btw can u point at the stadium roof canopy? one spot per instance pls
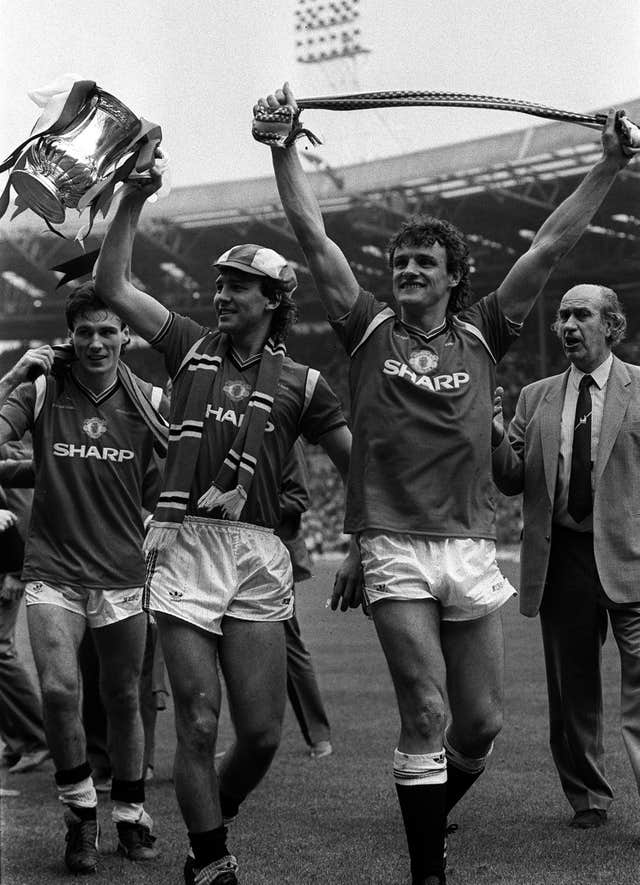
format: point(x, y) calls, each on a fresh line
point(498, 190)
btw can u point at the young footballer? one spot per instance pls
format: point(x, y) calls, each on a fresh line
point(97, 430)
point(219, 578)
point(419, 494)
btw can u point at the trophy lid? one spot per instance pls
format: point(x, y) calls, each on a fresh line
point(39, 193)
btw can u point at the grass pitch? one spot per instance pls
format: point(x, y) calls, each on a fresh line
point(336, 821)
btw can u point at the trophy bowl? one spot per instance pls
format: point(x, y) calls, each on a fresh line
point(56, 171)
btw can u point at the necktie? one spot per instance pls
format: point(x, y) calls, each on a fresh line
point(580, 503)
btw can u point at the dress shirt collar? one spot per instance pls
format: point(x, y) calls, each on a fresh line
point(600, 375)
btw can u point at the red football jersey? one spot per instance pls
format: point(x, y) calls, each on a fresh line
point(422, 406)
point(304, 405)
point(93, 456)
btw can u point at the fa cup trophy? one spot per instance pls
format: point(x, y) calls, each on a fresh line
point(84, 143)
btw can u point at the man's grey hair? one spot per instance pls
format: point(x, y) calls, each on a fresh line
point(610, 311)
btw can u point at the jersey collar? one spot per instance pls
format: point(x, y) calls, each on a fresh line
point(241, 363)
point(432, 333)
point(96, 398)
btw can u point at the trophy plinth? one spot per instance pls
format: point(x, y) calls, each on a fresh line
point(40, 194)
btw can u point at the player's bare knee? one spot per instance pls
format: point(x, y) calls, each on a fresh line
point(197, 729)
point(121, 700)
point(488, 726)
point(425, 719)
point(59, 692)
point(261, 740)
point(477, 735)
point(493, 726)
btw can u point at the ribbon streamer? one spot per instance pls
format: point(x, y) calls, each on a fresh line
point(77, 267)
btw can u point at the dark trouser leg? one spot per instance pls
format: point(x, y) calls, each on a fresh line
point(625, 624)
point(302, 687)
point(21, 725)
point(574, 626)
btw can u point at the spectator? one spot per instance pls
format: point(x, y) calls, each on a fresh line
point(302, 686)
point(21, 726)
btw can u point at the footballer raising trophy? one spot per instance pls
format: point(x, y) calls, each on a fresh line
point(84, 142)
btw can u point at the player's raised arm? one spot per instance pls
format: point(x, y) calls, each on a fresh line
point(113, 285)
point(334, 279)
point(564, 227)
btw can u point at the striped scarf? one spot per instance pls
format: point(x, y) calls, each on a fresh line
point(142, 394)
point(231, 485)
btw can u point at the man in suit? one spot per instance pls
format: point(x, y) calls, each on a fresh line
point(573, 448)
point(303, 690)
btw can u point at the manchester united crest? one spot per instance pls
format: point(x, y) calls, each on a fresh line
point(237, 390)
point(94, 427)
point(424, 360)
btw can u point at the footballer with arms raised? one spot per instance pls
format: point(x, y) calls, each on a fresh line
point(219, 578)
point(98, 432)
point(419, 495)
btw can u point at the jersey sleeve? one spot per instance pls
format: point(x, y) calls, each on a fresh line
point(322, 411)
point(353, 327)
point(174, 339)
point(498, 331)
point(18, 410)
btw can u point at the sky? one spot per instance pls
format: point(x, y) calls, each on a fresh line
point(197, 67)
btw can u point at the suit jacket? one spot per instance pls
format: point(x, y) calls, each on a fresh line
point(527, 461)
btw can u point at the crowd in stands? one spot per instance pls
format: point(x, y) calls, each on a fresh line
point(322, 523)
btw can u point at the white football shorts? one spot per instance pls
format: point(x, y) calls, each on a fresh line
point(100, 607)
point(218, 568)
point(461, 574)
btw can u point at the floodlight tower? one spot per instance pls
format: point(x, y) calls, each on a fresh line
point(328, 43)
point(328, 31)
